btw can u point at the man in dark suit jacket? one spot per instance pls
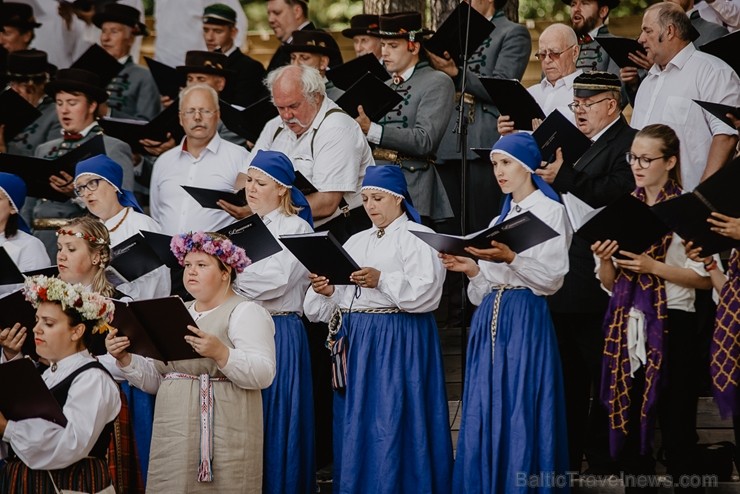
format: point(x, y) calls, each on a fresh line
point(244, 86)
point(599, 177)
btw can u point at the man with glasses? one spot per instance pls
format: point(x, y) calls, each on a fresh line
point(680, 74)
point(599, 177)
point(203, 159)
point(558, 53)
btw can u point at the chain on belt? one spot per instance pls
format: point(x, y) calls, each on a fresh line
point(469, 100)
point(494, 317)
point(399, 159)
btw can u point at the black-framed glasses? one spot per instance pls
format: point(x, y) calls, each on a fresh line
point(642, 161)
point(91, 186)
point(554, 55)
point(190, 112)
point(575, 106)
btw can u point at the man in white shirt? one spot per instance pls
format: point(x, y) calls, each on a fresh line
point(202, 159)
point(325, 144)
point(679, 75)
point(558, 53)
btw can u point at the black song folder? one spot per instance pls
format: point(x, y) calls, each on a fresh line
point(618, 49)
point(160, 244)
point(132, 131)
point(14, 308)
point(323, 255)
point(450, 37)
point(36, 171)
point(687, 214)
point(24, 395)
point(720, 111)
point(9, 272)
point(725, 48)
point(133, 258)
point(345, 75)
point(248, 122)
point(168, 79)
point(252, 235)
point(555, 132)
point(150, 334)
point(512, 99)
point(16, 114)
point(628, 221)
point(374, 95)
point(519, 233)
point(208, 198)
point(100, 62)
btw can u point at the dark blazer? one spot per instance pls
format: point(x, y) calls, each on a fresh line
point(282, 56)
point(245, 86)
point(598, 178)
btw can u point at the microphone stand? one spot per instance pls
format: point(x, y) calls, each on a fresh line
point(461, 128)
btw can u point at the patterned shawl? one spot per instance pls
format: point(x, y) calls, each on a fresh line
point(725, 345)
point(645, 292)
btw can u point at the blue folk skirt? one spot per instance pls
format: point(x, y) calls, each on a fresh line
point(513, 436)
point(141, 409)
point(391, 424)
point(289, 458)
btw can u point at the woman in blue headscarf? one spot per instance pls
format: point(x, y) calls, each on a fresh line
point(26, 251)
point(513, 431)
point(391, 421)
point(279, 284)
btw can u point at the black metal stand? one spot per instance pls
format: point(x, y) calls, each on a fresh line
point(461, 128)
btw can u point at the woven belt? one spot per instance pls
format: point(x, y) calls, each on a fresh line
point(379, 310)
point(494, 317)
point(398, 159)
point(205, 472)
point(282, 313)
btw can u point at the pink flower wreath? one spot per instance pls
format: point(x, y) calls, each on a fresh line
point(211, 243)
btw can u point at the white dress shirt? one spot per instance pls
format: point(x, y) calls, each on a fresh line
point(340, 153)
point(27, 252)
point(92, 402)
point(179, 26)
point(251, 363)
point(217, 168)
point(153, 284)
point(707, 13)
point(556, 96)
point(541, 268)
point(278, 283)
point(665, 96)
point(729, 11)
point(411, 275)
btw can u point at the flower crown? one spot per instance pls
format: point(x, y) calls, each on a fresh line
point(211, 243)
point(85, 236)
point(90, 305)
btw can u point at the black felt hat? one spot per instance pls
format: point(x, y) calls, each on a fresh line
point(24, 64)
point(311, 41)
point(18, 15)
point(406, 25)
point(77, 80)
point(122, 14)
point(205, 62)
point(361, 24)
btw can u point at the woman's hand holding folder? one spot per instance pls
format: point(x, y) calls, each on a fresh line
point(11, 340)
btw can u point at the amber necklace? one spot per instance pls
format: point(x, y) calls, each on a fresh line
point(115, 227)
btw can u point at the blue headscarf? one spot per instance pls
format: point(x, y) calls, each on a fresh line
point(14, 187)
point(522, 148)
point(103, 167)
point(278, 167)
point(389, 178)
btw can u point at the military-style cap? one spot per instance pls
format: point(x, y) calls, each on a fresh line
point(220, 14)
point(18, 15)
point(405, 25)
point(596, 82)
point(205, 62)
point(122, 14)
point(310, 41)
point(25, 64)
point(361, 24)
point(78, 80)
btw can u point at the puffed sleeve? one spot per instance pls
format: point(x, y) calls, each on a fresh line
point(319, 308)
point(93, 401)
point(251, 363)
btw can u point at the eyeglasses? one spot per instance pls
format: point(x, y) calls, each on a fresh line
point(190, 112)
point(642, 161)
point(91, 186)
point(554, 55)
point(575, 106)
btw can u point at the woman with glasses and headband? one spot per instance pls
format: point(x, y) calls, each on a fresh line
point(650, 361)
point(558, 53)
point(279, 284)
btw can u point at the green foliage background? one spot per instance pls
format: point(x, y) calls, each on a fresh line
point(335, 14)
